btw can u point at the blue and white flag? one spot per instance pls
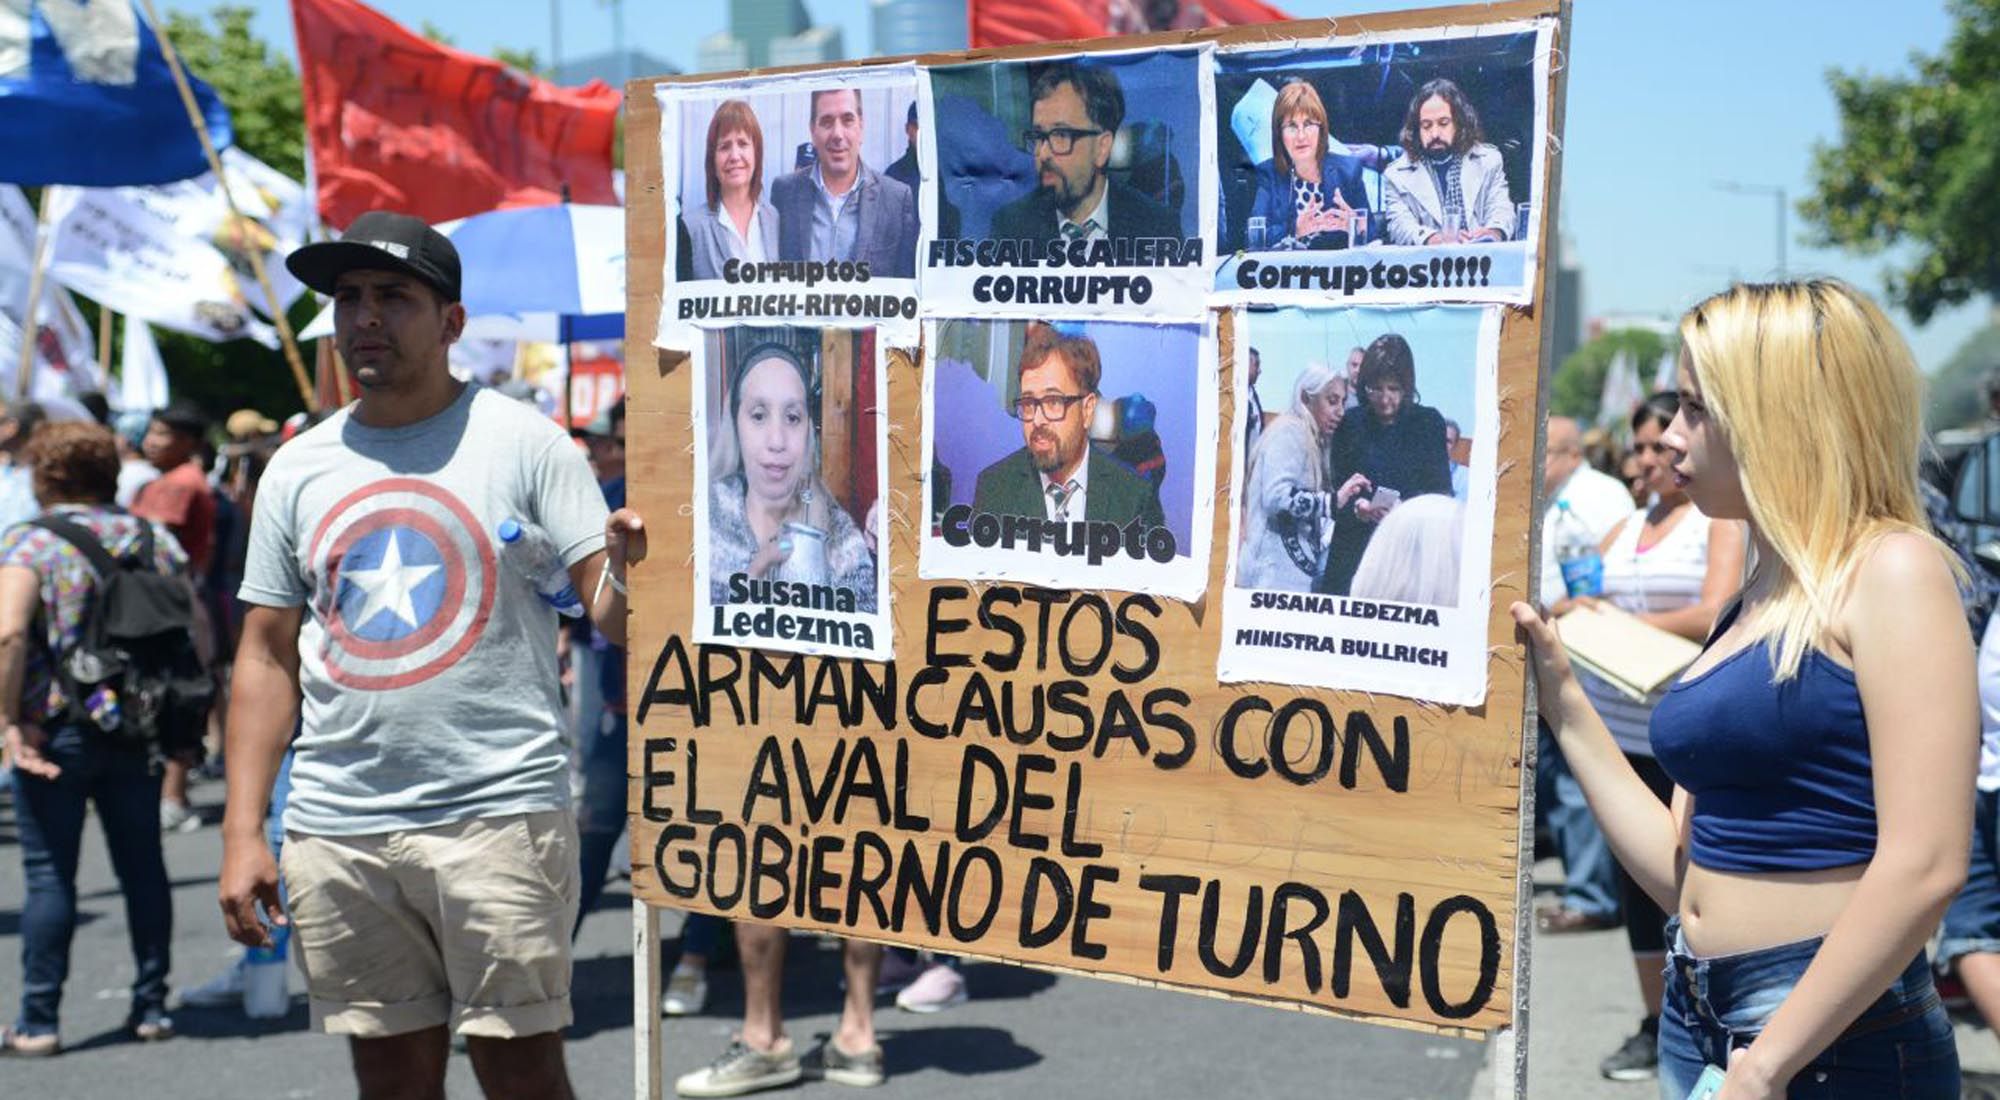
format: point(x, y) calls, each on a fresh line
point(86, 98)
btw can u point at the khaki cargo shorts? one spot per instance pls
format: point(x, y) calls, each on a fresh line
point(465, 924)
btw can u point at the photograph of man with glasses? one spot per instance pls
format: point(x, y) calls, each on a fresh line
point(1057, 475)
point(1077, 112)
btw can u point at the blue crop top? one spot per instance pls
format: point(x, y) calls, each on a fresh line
point(1781, 775)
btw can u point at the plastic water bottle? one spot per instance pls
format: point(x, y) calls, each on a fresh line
point(1576, 552)
point(265, 996)
point(529, 551)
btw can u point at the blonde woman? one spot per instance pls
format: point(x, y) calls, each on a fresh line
point(765, 494)
point(1414, 555)
point(1822, 745)
point(1286, 513)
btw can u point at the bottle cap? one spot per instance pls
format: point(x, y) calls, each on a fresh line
point(510, 530)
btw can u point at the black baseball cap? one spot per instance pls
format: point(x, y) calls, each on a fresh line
point(381, 241)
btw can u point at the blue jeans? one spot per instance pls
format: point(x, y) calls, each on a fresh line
point(1900, 1047)
point(600, 819)
point(126, 791)
point(1972, 924)
point(274, 818)
point(1590, 874)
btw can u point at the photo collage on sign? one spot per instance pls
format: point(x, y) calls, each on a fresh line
point(1058, 235)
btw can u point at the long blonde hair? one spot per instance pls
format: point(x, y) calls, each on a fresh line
point(1818, 397)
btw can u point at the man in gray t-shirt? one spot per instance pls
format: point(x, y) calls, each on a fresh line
point(430, 856)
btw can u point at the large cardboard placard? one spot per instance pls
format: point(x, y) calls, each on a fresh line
point(1056, 776)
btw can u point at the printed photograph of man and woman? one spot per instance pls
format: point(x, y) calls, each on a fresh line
point(1355, 445)
point(821, 168)
point(1096, 147)
point(1068, 427)
point(1386, 146)
point(789, 440)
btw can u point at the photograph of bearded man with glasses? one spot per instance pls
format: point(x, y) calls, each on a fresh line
point(1075, 119)
point(1057, 475)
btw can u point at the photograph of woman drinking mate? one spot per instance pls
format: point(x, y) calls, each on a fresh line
point(769, 513)
point(1823, 745)
point(1395, 443)
point(735, 223)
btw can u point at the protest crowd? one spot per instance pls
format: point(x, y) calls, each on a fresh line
point(386, 634)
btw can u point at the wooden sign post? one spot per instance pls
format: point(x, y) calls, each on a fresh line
point(1058, 778)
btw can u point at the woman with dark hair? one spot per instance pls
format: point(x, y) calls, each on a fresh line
point(1395, 443)
point(735, 223)
point(61, 767)
point(1670, 567)
point(1307, 195)
point(765, 494)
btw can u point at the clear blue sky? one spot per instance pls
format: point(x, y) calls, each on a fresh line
point(1664, 100)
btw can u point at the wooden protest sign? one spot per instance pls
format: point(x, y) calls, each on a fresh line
point(1058, 777)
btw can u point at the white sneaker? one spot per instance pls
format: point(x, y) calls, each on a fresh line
point(687, 992)
point(221, 991)
point(741, 1069)
point(935, 990)
point(178, 818)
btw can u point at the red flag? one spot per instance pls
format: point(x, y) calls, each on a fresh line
point(398, 122)
point(1012, 22)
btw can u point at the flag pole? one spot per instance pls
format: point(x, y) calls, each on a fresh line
point(104, 319)
point(256, 255)
point(30, 328)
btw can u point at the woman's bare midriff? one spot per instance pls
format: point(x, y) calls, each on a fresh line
point(1727, 913)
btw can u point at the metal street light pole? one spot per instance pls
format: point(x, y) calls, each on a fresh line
point(555, 40)
point(1783, 210)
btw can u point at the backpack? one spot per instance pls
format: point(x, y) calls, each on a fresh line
point(134, 675)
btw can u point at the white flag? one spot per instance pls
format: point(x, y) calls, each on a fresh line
point(142, 374)
point(1666, 376)
point(65, 355)
point(1621, 392)
point(276, 218)
point(121, 247)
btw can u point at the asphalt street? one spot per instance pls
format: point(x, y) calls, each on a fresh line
point(1024, 1033)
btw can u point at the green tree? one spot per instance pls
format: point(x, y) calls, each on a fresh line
point(1918, 165)
point(261, 89)
point(1579, 378)
point(257, 83)
point(1955, 396)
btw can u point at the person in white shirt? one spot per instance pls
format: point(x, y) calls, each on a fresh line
point(1590, 892)
point(1598, 499)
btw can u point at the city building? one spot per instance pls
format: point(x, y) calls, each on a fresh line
point(612, 67)
point(812, 46)
point(1564, 327)
point(917, 26)
point(759, 23)
point(721, 52)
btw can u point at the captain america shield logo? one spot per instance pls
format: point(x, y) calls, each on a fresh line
point(409, 584)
